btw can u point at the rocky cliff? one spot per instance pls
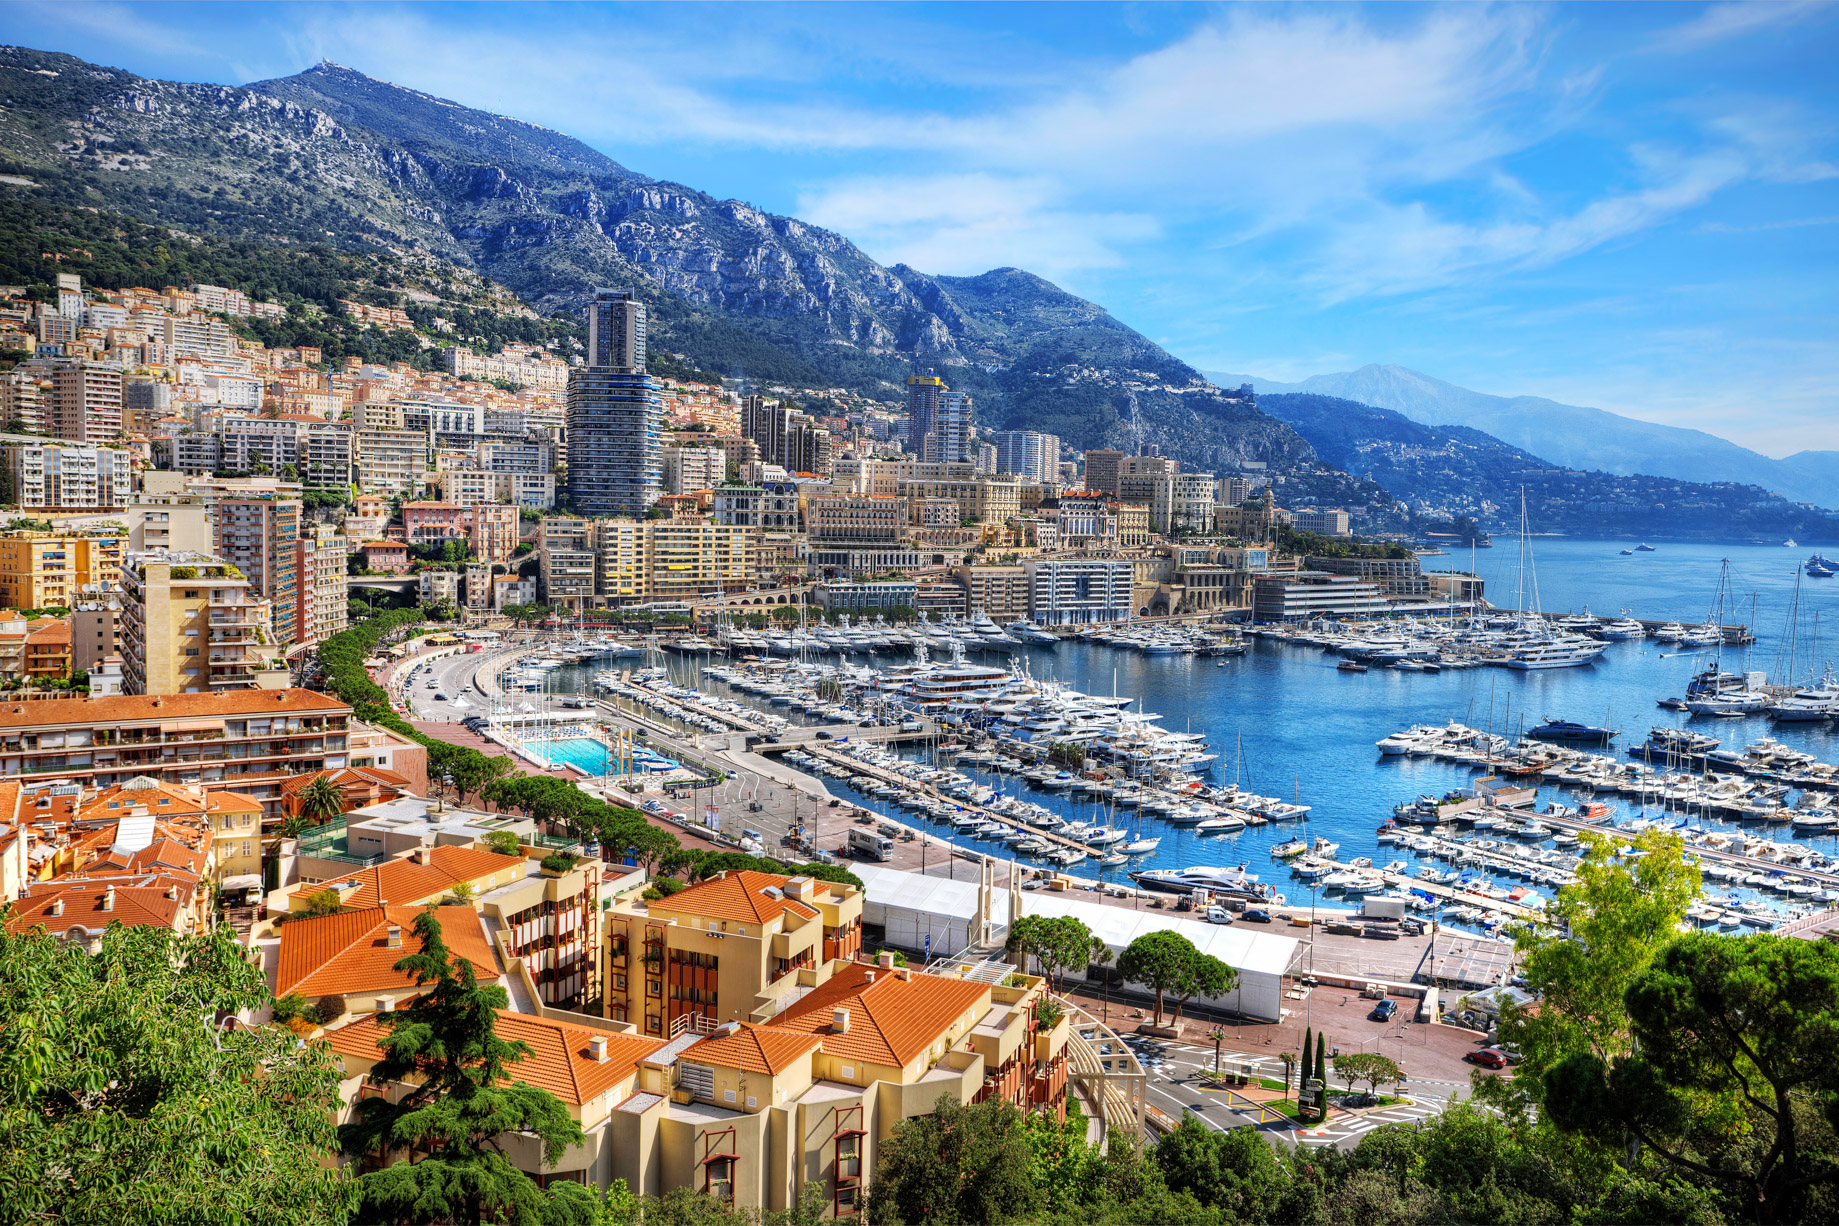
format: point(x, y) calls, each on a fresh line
point(331, 156)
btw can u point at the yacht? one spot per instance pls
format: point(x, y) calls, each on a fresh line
point(1031, 634)
point(1821, 567)
point(1622, 629)
point(1556, 651)
point(1812, 703)
point(1644, 548)
point(1571, 732)
point(1188, 880)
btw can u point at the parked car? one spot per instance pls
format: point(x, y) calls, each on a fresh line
point(1487, 1057)
point(1218, 915)
point(1510, 1054)
point(822, 735)
point(1383, 1011)
point(1257, 916)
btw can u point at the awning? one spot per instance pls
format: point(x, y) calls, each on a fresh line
point(242, 881)
point(192, 725)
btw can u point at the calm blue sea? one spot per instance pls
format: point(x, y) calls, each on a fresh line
point(1284, 722)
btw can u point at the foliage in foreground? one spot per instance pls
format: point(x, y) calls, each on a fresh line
point(122, 1100)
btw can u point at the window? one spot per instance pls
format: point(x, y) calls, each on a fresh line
point(849, 1157)
point(719, 1179)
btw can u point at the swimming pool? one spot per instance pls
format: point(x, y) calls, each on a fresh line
point(588, 754)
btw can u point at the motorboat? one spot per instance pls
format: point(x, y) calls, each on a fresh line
point(1571, 732)
point(1188, 880)
point(1028, 632)
point(1622, 628)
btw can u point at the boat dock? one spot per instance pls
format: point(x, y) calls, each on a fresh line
point(1438, 890)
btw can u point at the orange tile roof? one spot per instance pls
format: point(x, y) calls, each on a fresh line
point(405, 881)
point(737, 896)
point(231, 802)
point(123, 708)
point(892, 1018)
point(346, 776)
point(350, 952)
point(558, 1061)
point(83, 907)
point(753, 1049)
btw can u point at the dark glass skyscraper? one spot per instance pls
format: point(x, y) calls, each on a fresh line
point(615, 414)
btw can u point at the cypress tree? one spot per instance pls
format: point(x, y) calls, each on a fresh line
point(1321, 1075)
point(1305, 1065)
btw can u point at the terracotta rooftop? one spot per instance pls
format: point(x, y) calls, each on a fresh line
point(348, 776)
point(559, 1059)
point(86, 904)
point(739, 896)
point(893, 1017)
point(127, 708)
point(406, 881)
point(350, 952)
point(752, 1049)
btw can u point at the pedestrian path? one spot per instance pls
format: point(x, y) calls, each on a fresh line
point(1348, 1129)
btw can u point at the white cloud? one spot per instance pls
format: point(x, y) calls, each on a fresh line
point(1720, 23)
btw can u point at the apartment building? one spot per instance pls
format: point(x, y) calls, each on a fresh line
point(772, 506)
point(94, 624)
point(786, 437)
point(693, 558)
point(1000, 591)
point(438, 587)
point(940, 426)
point(261, 538)
point(1087, 519)
point(389, 461)
point(1028, 454)
point(1078, 591)
point(25, 396)
point(40, 570)
point(325, 456)
point(325, 601)
point(67, 475)
point(249, 740)
point(726, 949)
point(857, 521)
point(688, 469)
point(86, 402)
point(979, 499)
point(1328, 522)
point(190, 624)
point(515, 363)
point(1103, 466)
point(565, 556)
point(494, 531)
point(430, 523)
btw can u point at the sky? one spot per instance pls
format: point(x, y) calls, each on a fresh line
point(1634, 207)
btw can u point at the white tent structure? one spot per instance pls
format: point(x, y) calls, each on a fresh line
point(922, 913)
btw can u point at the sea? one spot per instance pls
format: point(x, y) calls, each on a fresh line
point(1283, 721)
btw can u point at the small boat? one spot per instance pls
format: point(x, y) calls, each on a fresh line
point(1644, 548)
point(1628, 553)
point(1350, 666)
point(1140, 847)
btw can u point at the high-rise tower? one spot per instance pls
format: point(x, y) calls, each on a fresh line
point(615, 414)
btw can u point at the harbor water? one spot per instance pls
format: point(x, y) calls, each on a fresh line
point(1282, 721)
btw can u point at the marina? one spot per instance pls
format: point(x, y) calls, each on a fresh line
point(1279, 721)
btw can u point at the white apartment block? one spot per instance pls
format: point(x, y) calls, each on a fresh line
point(68, 475)
point(1078, 591)
point(390, 461)
point(688, 469)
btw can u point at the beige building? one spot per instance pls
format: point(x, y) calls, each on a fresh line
point(190, 624)
point(40, 570)
point(1001, 592)
point(857, 521)
point(494, 531)
point(390, 461)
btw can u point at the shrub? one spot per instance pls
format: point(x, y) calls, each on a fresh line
point(329, 1007)
point(667, 885)
point(559, 861)
point(503, 842)
point(289, 1007)
point(326, 902)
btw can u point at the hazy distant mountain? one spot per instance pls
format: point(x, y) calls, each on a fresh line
point(1570, 435)
point(1443, 472)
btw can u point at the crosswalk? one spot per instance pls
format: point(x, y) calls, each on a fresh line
point(1352, 1128)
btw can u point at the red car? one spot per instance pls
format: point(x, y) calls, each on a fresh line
point(1488, 1058)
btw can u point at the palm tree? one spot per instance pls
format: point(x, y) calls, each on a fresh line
point(1218, 1036)
point(1289, 1066)
point(322, 799)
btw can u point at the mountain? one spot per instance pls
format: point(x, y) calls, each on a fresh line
point(335, 158)
point(1446, 472)
point(1570, 435)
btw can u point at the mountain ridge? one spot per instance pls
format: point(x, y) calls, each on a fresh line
point(333, 156)
point(1572, 436)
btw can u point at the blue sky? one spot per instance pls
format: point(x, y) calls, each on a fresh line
point(1634, 207)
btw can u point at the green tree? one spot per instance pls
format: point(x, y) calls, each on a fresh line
point(1168, 963)
point(956, 1164)
point(1734, 1069)
point(444, 1045)
point(1235, 1171)
point(1058, 943)
point(1603, 931)
point(122, 1099)
point(1321, 1075)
